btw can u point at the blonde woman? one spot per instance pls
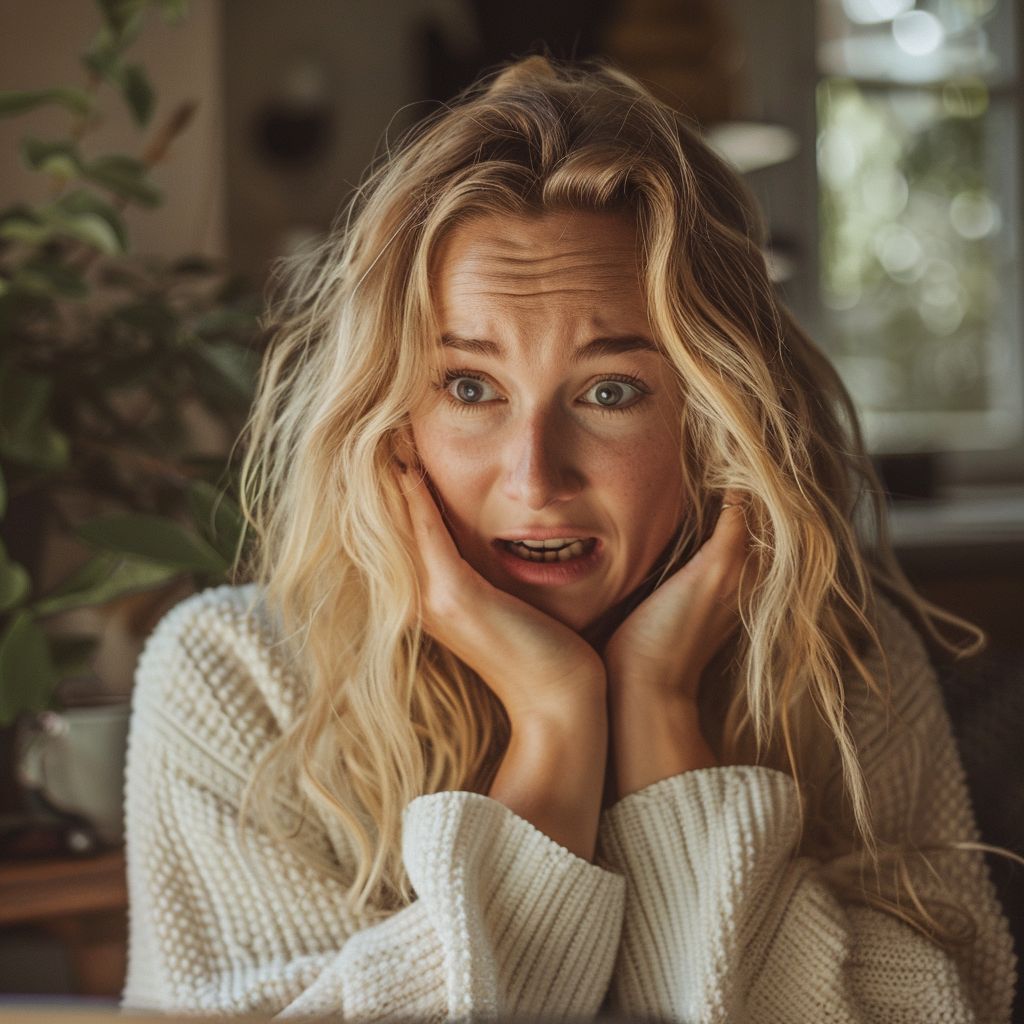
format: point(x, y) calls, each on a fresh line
point(567, 681)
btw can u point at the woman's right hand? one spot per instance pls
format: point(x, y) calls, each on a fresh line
point(550, 681)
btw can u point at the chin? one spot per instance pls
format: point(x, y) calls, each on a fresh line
point(577, 614)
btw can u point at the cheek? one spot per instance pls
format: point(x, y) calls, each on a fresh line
point(461, 467)
point(644, 496)
point(646, 486)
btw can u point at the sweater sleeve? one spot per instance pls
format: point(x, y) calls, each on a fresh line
point(226, 919)
point(725, 922)
point(514, 923)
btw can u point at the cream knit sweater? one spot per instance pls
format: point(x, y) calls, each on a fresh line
point(700, 910)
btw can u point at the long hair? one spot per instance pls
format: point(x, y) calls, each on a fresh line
point(390, 714)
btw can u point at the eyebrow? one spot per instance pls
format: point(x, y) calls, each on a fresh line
point(609, 346)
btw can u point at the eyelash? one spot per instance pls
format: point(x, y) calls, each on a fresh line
point(453, 375)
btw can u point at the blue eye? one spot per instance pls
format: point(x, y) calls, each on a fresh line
point(471, 390)
point(612, 394)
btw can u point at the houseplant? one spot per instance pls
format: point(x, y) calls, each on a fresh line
point(106, 359)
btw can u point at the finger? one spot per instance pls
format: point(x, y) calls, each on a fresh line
point(405, 453)
point(719, 562)
point(732, 500)
point(734, 545)
point(730, 536)
point(432, 537)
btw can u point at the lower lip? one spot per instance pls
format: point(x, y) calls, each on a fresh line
point(548, 574)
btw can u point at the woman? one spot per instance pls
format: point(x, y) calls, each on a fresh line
point(567, 682)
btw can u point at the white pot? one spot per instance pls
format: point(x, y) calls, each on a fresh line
point(75, 760)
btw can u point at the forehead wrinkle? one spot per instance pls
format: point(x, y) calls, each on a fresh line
point(605, 345)
point(597, 279)
point(490, 266)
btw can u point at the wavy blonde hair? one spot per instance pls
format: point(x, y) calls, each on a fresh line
point(390, 714)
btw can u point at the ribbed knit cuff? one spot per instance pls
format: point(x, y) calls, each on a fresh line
point(528, 927)
point(704, 854)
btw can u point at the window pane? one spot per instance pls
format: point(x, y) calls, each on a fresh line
point(917, 222)
point(930, 41)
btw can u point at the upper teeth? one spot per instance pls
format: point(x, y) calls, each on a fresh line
point(559, 549)
point(555, 542)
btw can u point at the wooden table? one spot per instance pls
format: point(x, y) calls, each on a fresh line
point(81, 903)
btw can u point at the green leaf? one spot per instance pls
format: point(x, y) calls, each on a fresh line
point(8, 313)
point(59, 159)
point(105, 60)
point(85, 216)
point(19, 101)
point(218, 517)
point(138, 93)
point(71, 654)
point(153, 317)
point(14, 582)
point(26, 669)
point(24, 227)
point(241, 317)
point(123, 17)
point(47, 449)
point(160, 540)
point(125, 177)
point(103, 578)
point(104, 55)
point(85, 577)
point(26, 434)
point(42, 276)
point(237, 366)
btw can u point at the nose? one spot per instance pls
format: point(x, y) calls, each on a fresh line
point(540, 461)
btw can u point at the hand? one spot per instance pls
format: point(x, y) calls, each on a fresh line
point(550, 681)
point(656, 657)
point(669, 639)
point(536, 666)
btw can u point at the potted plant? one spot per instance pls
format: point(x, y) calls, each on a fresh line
point(106, 360)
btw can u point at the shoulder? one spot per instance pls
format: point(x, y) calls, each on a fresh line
point(903, 736)
point(215, 668)
point(908, 691)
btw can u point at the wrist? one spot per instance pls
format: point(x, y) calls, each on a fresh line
point(559, 707)
point(553, 770)
point(658, 673)
point(653, 687)
point(656, 734)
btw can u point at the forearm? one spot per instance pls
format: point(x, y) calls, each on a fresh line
point(655, 735)
point(552, 774)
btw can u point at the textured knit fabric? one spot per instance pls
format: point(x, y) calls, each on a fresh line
point(699, 907)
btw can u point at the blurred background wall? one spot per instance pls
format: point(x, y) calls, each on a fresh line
point(370, 72)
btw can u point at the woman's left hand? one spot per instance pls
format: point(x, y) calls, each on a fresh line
point(655, 658)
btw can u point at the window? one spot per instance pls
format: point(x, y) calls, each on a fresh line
point(916, 165)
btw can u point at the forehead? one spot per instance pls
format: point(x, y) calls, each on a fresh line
point(539, 256)
point(537, 289)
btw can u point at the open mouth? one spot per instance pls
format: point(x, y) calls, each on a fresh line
point(558, 549)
